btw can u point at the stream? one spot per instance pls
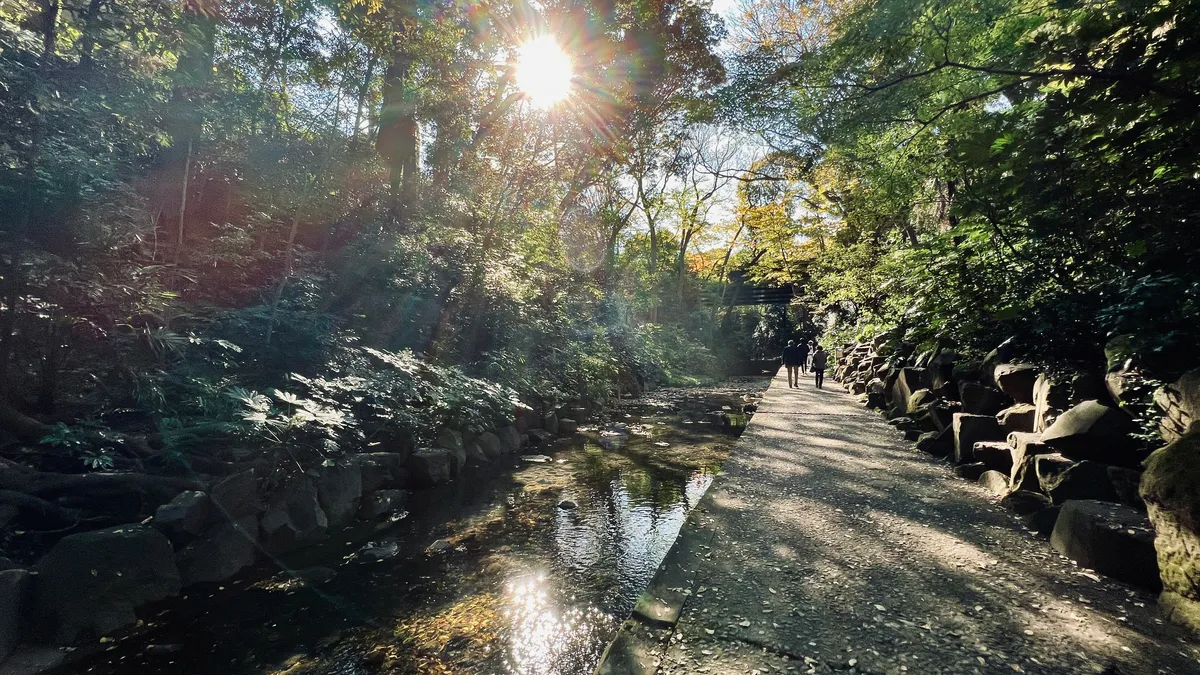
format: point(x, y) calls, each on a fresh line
point(525, 566)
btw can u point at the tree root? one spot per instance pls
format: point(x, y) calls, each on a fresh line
point(44, 510)
point(31, 431)
point(54, 484)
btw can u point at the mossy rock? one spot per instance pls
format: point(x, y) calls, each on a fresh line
point(1171, 480)
point(1171, 489)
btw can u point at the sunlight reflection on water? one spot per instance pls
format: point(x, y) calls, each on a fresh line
point(544, 636)
point(617, 536)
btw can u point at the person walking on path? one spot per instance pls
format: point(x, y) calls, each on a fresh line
point(804, 351)
point(819, 362)
point(792, 360)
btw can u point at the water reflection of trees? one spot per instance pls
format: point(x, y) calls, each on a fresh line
point(629, 519)
point(656, 486)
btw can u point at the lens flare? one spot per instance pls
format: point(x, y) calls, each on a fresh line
point(543, 71)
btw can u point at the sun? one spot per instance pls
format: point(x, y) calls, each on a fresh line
point(543, 71)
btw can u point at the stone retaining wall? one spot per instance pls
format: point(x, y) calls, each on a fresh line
point(91, 583)
point(1061, 451)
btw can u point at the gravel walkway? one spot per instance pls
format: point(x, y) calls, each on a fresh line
point(831, 545)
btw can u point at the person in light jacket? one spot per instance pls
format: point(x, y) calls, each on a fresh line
point(819, 361)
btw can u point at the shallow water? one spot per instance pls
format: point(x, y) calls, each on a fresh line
point(490, 574)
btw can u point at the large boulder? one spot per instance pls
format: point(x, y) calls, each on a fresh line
point(966, 371)
point(1125, 483)
point(1023, 447)
point(941, 414)
point(1025, 502)
point(452, 441)
point(1047, 468)
point(1180, 406)
point(919, 398)
point(235, 496)
point(449, 439)
point(971, 471)
point(1001, 354)
point(431, 466)
point(378, 470)
point(476, 456)
point(458, 459)
point(978, 399)
point(184, 516)
point(936, 443)
point(1019, 417)
point(384, 503)
point(1119, 351)
point(550, 423)
point(876, 390)
point(89, 584)
point(1043, 521)
point(908, 381)
point(1112, 539)
point(1092, 430)
point(1171, 491)
point(491, 445)
point(295, 518)
point(510, 438)
point(339, 487)
point(525, 418)
point(1050, 398)
point(941, 369)
point(1016, 380)
point(1126, 385)
point(995, 482)
point(995, 455)
point(16, 586)
point(221, 552)
point(399, 443)
point(971, 429)
point(1079, 480)
point(567, 426)
point(923, 421)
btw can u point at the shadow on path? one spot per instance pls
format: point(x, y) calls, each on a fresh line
point(830, 544)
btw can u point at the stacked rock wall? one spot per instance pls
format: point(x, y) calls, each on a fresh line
point(1063, 451)
point(92, 583)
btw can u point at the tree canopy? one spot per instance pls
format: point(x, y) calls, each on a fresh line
point(995, 169)
point(217, 215)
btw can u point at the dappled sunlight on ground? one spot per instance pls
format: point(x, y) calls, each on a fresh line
point(837, 546)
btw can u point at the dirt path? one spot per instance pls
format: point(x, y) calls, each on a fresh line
point(831, 545)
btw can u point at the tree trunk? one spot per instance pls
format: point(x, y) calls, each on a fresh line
point(364, 88)
point(14, 286)
point(51, 363)
point(193, 73)
point(48, 25)
point(87, 41)
point(183, 195)
point(396, 140)
point(48, 485)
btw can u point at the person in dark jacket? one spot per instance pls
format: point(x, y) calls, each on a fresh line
point(792, 360)
point(819, 362)
point(804, 351)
